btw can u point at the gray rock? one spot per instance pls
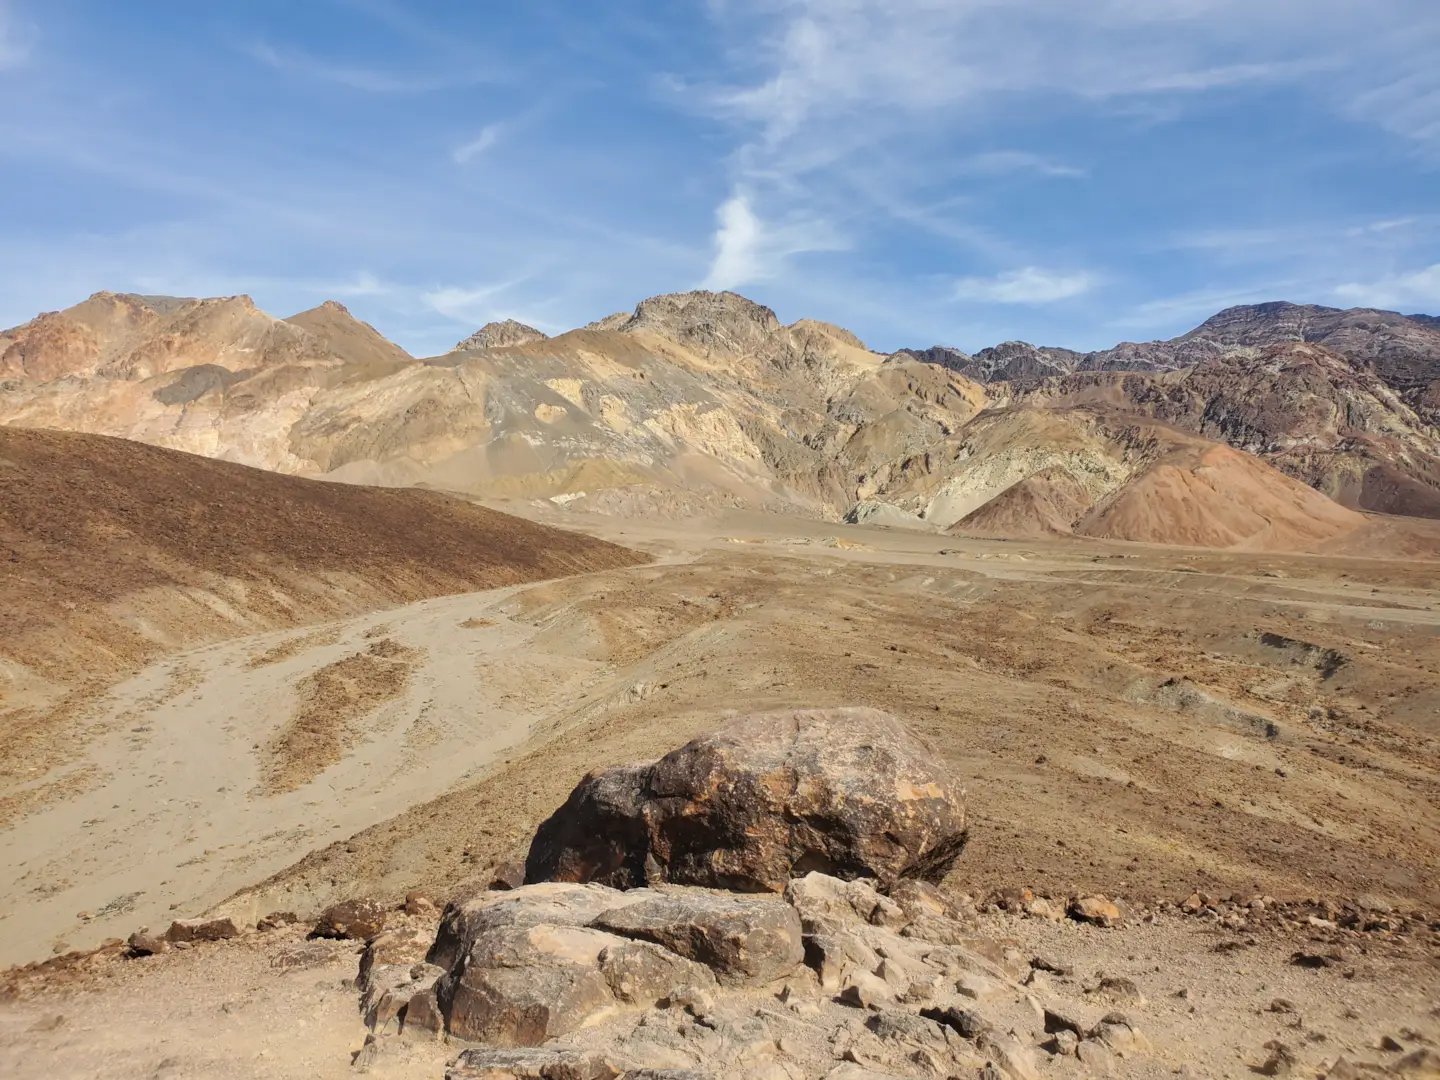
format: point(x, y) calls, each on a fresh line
point(743, 940)
point(547, 1063)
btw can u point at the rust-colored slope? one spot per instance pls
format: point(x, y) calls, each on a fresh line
point(1222, 498)
point(112, 551)
point(1045, 504)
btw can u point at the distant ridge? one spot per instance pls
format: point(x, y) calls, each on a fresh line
point(702, 400)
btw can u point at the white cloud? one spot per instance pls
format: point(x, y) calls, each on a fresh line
point(1416, 292)
point(748, 250)
point(738, 240)
point(488, 137)
point(1030, 285)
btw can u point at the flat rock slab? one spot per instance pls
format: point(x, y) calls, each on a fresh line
point(742, 940)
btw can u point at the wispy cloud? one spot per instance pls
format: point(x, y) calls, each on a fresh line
point(488, 137)
point(1416, 291)
point(17, 38)
point(472, 304)
point(748, 249)
point(1029, 285)
point(1196, 305)
point(1005, 162)
point(370, 80)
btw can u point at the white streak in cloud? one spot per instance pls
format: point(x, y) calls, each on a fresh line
point(1030, 285)
point(1418, 291)
point(470, 305)
point(747, 249)
point(488, 137)
point(293, 61)
point(1004, 162)
point(1197, 305)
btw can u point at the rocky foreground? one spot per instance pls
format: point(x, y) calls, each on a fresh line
point(878, 968)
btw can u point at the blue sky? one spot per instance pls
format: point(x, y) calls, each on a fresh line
point(919, 171)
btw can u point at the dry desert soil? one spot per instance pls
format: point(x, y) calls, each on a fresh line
point(1135, 720)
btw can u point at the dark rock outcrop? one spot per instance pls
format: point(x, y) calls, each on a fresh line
point(848, 792)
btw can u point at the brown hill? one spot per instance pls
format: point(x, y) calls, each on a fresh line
point(347, 338)
point(129, 337)
point(1215, 496)
point(117, 551)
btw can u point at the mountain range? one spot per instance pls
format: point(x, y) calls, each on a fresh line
point(1268, 426)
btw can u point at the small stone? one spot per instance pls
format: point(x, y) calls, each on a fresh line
point(506, 876)
point(275, 920)
point(1281, 1061)
point(1283, 1005)
point(365, 1058)
point(1056, 1021)
point(1095, 1056)
point(1391, 1045)
point(359, 919)
point(418, 904)
point(1064, 1043)
point(865, 991)
point(1040, 982)
point(190, 930)
point(1045, 963)
point(967, 1022)
point(1192, 904)
point(144, 943)
point(1096, 910)
point(1120, 988)
point(977, 987)
point(1041, 908)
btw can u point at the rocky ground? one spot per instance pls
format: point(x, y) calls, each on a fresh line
point(1239, 751)
point(1201, 996)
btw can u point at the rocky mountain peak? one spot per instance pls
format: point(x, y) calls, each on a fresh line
point(496, 335)
point(715, 322)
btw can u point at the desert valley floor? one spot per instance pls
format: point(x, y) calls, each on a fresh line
point(1139, 721)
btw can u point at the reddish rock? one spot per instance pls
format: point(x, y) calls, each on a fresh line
point(360, 919)
point(1095, 909)
point(847, 792)
point(144, 943)
point(506, 876)
point(188, 930)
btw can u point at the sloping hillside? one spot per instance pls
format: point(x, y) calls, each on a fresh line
point(117, 552)
point(1303, 408)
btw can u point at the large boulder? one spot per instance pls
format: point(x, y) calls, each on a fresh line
point(846, 792)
